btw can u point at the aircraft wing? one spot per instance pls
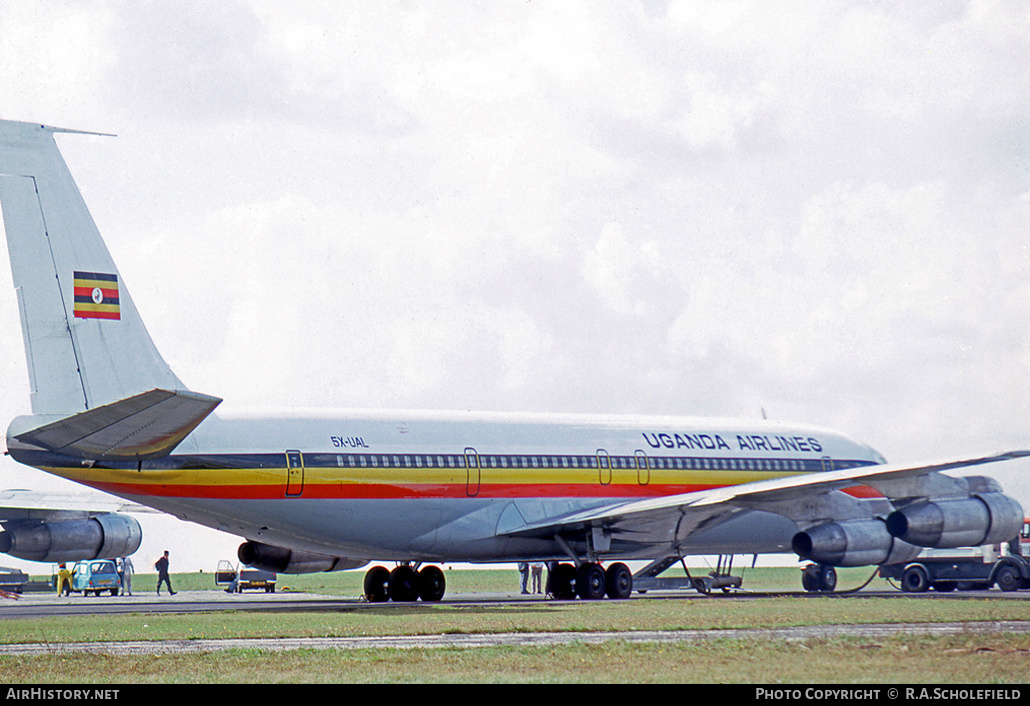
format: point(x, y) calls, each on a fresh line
point(803, 499)
point(58, 527)
point(35, 505)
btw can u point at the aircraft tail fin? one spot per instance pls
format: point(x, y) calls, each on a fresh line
point(85, 343)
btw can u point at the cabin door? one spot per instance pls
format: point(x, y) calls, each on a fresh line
point(472, 480)
point(643, 469)
point(604, 467)
point(294, 473)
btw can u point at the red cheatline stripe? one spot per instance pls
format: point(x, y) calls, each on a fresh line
point(365, 491)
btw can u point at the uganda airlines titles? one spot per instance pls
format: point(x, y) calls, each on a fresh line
point(746, 442)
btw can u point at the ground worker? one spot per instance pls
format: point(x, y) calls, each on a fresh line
point(64, 580)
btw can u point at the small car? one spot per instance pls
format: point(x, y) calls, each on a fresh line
point(95, 576)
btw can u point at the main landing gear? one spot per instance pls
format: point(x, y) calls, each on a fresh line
point(405, 584)
point(590, 581)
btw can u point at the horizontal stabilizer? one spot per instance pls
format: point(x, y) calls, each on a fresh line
point(145, 426)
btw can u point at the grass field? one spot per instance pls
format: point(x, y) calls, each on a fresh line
point(966, 658)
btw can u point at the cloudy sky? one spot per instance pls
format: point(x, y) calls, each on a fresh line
point(815, 209)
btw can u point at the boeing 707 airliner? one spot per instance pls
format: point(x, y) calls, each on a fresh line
point(336, 490)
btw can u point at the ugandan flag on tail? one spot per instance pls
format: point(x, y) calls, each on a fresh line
point(96, 296)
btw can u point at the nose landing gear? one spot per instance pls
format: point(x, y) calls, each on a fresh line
point(819, 578)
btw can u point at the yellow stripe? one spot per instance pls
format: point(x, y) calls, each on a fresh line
point(109, 308)
point(412, 476)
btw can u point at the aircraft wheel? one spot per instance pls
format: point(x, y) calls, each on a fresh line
point(590, 582)
point(809, 579)
point(431, 584)
point(819, 577)
point(563, 582)
point(377, 584)
point(403, 584)
point(618, 581)
point(827, 579)
point(914, 579)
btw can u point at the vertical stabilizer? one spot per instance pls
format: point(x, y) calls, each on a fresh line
point(84, 341)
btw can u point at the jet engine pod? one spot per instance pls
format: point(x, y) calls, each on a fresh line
point(988, 518)
point(291, 561)
point(852, 543)
point(101, 537)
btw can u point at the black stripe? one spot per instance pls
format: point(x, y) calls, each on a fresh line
point(96, 276)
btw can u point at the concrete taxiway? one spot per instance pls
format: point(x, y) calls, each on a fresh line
point(47, 604)
point(44, 604)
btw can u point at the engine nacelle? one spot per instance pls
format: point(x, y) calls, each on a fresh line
point(101, 537)
point(291, 561)
point(852, 543)
point(986, 518)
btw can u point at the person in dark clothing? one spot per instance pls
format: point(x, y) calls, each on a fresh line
point(162, 574)
point(524, 574)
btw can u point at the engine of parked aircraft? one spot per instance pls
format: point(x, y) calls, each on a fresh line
point(853, 543)
point(102, 537)
point(987, 518)
point(291, 561)
point(984, 515)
